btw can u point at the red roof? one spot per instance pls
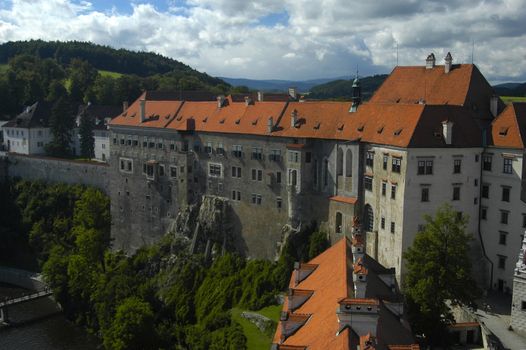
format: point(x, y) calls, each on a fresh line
point(508, 130)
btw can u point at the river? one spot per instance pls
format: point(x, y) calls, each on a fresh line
point(48, 330)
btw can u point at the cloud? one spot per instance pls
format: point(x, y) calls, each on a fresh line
point(289, 39)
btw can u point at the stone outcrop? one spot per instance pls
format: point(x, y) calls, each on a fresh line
point(264, 324)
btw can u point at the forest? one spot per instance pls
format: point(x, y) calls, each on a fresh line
point(161, 297)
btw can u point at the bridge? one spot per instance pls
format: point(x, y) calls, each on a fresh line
point(4, 314)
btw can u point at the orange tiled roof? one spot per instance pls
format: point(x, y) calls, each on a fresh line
point(343, 199)
point(508, 130)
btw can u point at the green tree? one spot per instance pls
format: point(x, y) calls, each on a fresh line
point(87, 141)
point(439, 270)
point(62, 122)
point(318, 243)
point(82, 75)
point(132, 327)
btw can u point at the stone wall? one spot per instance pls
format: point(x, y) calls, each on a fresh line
point(58, 170)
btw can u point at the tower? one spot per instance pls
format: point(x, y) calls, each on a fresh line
point(518, 305)
point(356, 94)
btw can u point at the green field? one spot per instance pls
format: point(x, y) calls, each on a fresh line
point(106, 73)
point(3, 68)
point(256, 340)
point(510, 99)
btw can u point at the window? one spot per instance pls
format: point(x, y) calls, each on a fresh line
point(161, 170)
point(486, 163)
point(279, 203)
point(502, 237)
point(393, 191)
point(293, 177)
point(504, 217)
point(256, 199)
point(368, 183)
point(122, 141)
point(257, 153)
point(236, 171)
point(384, 162)
point(128, 142)
point(384, 188)
point(135, 143)
point(425, 167)
point(382, 223)
point(275, 155)
point(457, 164)
point(523, 305)
point(396, 165)
point(485, 191)
point(369, 159)
point(236, 195)
point(197, 147)
point(257, 175)
point(173, 172)
point(368, 218)
point(456, 193)
point(501, 261)
point(208, 148)
point(484, 213)
point(476, 158)
point(294, 157)
point(506, 194)
point(278, 177)
point(425, 194)
point(185, 146)
point(172, 146)
point(392, 227)
point(507, 169)
point(126, 165)
point(151, 144)
point(214, 170)
point(237, 151)
point(220, 149)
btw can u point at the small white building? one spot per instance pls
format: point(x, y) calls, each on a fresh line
point(29, 132)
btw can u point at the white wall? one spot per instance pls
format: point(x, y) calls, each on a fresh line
point(491, 227)
point(26, 141)
point(102, 145)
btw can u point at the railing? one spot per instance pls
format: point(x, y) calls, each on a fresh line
point(28, 297)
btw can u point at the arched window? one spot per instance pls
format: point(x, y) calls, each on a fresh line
point(293, 177)
point(368, 218)
point(348, 163)
point(339, 222)
point(339, 162)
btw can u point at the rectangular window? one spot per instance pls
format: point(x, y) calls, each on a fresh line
point(504, 217)
point(173, 172)
point(278, 177)
point(502, 237)
point(126, 165)
point(486, 163)
point(256, 199)
point(384, 188)
point(151, 144)
point(257, 175)
point(457, 164)
point(122, 141)
point(393, 191)
point(396, 165)
point(236, 195)
point(257, 153)
point(385, 160)
point(506, 194)
point(484, 213)
point(279, 203)
point(236, 171)
point(392, 227)
point(425, 194)
point(485, 191)
point(368, 183)
point(220, 149)
point(161, 170)
point(128, 142)
point(425, 167)
point(275, 155)
point(501, 262)
point(214, 170)
point(185, 146)
point(294, 157)
point(237, 151)
point(382, 223)
point(369, 159)
point(208, 148)
point(172, 146)
point(456, 193)
point(508, 167)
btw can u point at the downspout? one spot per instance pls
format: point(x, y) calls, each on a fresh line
point(480, 210)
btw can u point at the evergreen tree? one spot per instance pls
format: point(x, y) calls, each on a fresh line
point(439, 270)
point(62, 123)
point(87, 141)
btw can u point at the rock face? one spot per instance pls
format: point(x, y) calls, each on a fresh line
point(206, 224)
point(264, 324)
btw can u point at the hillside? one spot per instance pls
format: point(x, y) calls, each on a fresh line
point(511, 89)
point(342, 89)
point(276, 85)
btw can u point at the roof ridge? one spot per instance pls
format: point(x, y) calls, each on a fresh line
point(516, 121)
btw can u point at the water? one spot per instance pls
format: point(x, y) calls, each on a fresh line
point(42, 326)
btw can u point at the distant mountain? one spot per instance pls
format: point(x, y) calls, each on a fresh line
point(275, 85)
point(511, 89)
point(342, 89)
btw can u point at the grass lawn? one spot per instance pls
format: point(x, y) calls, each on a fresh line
point(106, 73)
point(510, 99)
point(255, 339)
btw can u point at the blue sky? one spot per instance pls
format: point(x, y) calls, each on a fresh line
point(287, 39)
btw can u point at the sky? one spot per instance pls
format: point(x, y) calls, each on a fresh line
point(288, 39)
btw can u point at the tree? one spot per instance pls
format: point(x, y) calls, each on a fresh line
point(61, 122)
point(439, 270)
point(87, 141)
point(82, 75)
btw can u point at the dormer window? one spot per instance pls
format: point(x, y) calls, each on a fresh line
point(397, 132)
point(503, 131)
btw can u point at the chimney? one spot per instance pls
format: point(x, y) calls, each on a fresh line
point(293, 92)
point(248, 100)
point(359, 278)
point(293, 118)
point(449, 63)
point(142, 106)
point(270, 125)
point(357, 248)
point(124, 106)
point(260, 96)
point(361, 315)
point(220, 101)
point(430, 61)
point(494, 105)
point(447, 131)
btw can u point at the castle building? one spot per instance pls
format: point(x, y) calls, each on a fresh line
point(423, 139)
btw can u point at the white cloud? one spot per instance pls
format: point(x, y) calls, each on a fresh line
point(328, 38)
